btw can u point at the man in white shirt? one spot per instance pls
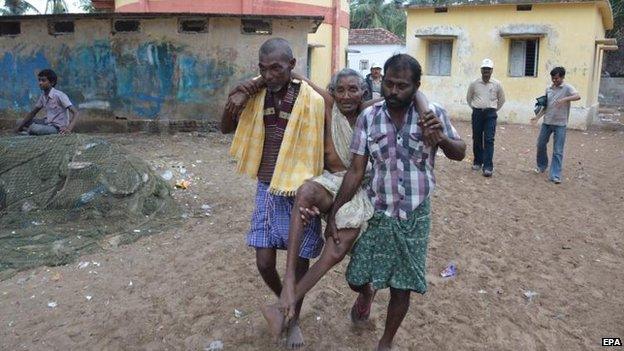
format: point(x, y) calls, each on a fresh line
point(485, 96)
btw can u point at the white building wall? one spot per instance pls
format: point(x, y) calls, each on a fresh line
point(373, 53)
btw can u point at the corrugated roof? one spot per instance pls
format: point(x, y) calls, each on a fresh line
point(373, 36)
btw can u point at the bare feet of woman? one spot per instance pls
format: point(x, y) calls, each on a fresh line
point(383, 347)
point(295, 337)
point(275, 320)
point(362, 306)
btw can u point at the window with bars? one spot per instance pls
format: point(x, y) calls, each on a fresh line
point(439, 57)
point(523, 58)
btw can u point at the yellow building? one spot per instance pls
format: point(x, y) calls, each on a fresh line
point(525, 39)
point(326, 47)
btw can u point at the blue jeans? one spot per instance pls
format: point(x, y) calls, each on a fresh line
point(39, 127)
point(483, 132)
point(558, 144)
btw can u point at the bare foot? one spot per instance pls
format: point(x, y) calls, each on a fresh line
point(362, 306)
point(295, 337)
point(275, 320)
point(383, 347)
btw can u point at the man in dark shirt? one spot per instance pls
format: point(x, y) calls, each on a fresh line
point(281, 96)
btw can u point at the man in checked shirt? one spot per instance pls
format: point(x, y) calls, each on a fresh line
point(402, 147)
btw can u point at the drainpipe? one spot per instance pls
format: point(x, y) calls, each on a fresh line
point(335, 63)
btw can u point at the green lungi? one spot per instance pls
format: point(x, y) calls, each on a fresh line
point(393, 252)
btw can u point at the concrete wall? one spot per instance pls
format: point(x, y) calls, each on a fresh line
point(373, 53)
point(612, 91)
point(570, 33)
point(329, 53)
point(156, 73)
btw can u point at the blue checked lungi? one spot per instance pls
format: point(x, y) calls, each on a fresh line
point(270, 221)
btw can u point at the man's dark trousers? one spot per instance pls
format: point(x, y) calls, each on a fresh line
point(483, 132)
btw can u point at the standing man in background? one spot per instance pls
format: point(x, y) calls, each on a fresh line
point(373, 80)
point(485, 97)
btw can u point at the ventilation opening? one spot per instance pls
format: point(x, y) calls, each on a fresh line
point(524, 7)
point(256, 26)
point(440, 9)
point(193, 26)
point(61, 27)
point(127, 26)
point(10, 28)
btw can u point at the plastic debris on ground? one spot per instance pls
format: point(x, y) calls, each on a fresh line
point(182, 184)
point(449, 271)
point(52, 304)
point(530, 295)
point(216, 345)
point(238, 313)
point(167, 175)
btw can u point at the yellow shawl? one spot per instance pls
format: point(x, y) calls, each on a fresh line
point(301, 153)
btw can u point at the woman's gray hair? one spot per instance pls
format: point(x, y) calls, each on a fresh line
point(343, 73)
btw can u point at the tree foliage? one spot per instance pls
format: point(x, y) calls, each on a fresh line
point(56, 6)
point(378, 14)
point(618, 15)
point(16, 7)
point(86, 6)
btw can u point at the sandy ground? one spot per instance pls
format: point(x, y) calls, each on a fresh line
point(197, 283)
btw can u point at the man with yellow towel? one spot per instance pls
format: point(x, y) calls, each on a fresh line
point(279, 141)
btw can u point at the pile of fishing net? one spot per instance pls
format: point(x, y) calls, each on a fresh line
point(62, 196)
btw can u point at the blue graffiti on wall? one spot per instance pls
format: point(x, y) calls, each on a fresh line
point(18, 84)
point(141, 81)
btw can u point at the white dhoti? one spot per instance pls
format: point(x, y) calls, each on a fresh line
point(357, 212)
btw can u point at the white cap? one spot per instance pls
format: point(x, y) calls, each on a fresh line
point(487, 63)
point(375, 65)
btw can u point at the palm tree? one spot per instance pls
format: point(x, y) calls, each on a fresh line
point(56, 6)
point(378, 14)
point(16, 7)
point(86, 6)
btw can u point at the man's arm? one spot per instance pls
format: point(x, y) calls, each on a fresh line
point(533, 120)
point(569, 98)
point(371, 102)
point(501, 97)
point(350, 185)
point(329, 100)
point(73, 111)
point(470, 94)
point(237, 99)
point(452, 148)
point(28, 118)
